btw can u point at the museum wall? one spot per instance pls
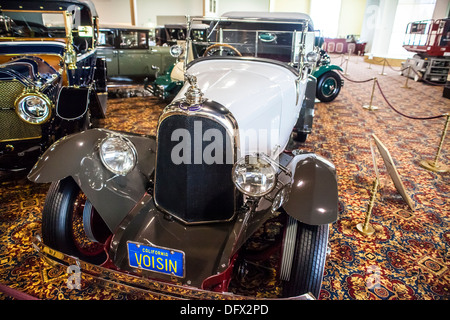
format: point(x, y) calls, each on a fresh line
point(113, 11)
point(291, 5)
point(239, 5)
point(351, 17)
point(441, 9)
point(150, 13)
point(147, 11)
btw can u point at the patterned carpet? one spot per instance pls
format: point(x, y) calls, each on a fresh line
point(408, 256)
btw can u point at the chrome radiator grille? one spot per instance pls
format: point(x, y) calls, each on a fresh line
point(11, 126)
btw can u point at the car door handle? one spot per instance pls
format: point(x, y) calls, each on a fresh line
point(153, 50)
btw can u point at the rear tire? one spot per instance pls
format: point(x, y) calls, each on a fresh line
point(308, 261)
point(62, 223)
point(328, 86)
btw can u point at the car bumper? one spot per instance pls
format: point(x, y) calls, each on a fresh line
point(137, 286)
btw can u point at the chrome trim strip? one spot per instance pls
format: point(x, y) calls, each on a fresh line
point(20, 139)
point(288, 249)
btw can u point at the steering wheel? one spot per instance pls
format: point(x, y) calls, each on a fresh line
point(218, 45)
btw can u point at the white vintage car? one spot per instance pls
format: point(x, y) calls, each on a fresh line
point(183, 209)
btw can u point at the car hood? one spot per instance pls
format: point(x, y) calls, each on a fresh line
point(261, 95)
point(29, 70)
point(32, 47)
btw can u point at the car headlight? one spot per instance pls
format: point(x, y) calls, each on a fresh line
point(254, 175)
point(33, 107)
point(176, 51)
point(312, 57)
point(118, 155)
point(281, 197)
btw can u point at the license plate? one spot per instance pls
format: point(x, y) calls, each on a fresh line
point(157, 259)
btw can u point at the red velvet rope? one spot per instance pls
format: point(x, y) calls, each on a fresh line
point(410, 117)
point(390, 105)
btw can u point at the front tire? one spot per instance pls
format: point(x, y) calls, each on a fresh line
point(307, 263)
point(300, 136)
point(63, 221)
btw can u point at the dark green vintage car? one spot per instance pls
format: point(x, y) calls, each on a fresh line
point(131, 53)
point(169, 81)
point(166, 85)
point(329, 83)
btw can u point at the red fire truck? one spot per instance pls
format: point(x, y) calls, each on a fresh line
point(430, 40)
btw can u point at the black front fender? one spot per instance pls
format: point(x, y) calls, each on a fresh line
point(306, 116)
point(314, 195)
point(113, 196)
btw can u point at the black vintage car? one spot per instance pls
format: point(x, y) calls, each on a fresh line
point(51, 81)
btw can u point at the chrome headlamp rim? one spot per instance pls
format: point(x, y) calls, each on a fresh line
point(312, 57)
point(281, 197)
point(19, 104)
point(130, 146)
point(258, 156)
point(176, 51)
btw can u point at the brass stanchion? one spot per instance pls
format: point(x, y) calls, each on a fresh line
point(382, 70)
point(366, 228)
point(346, 66)
point(370, 63)
point(407, 78)
point(370, 107)
point(433, 165)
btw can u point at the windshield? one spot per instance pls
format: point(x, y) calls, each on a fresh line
point(277, 41)
point(35, 24)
